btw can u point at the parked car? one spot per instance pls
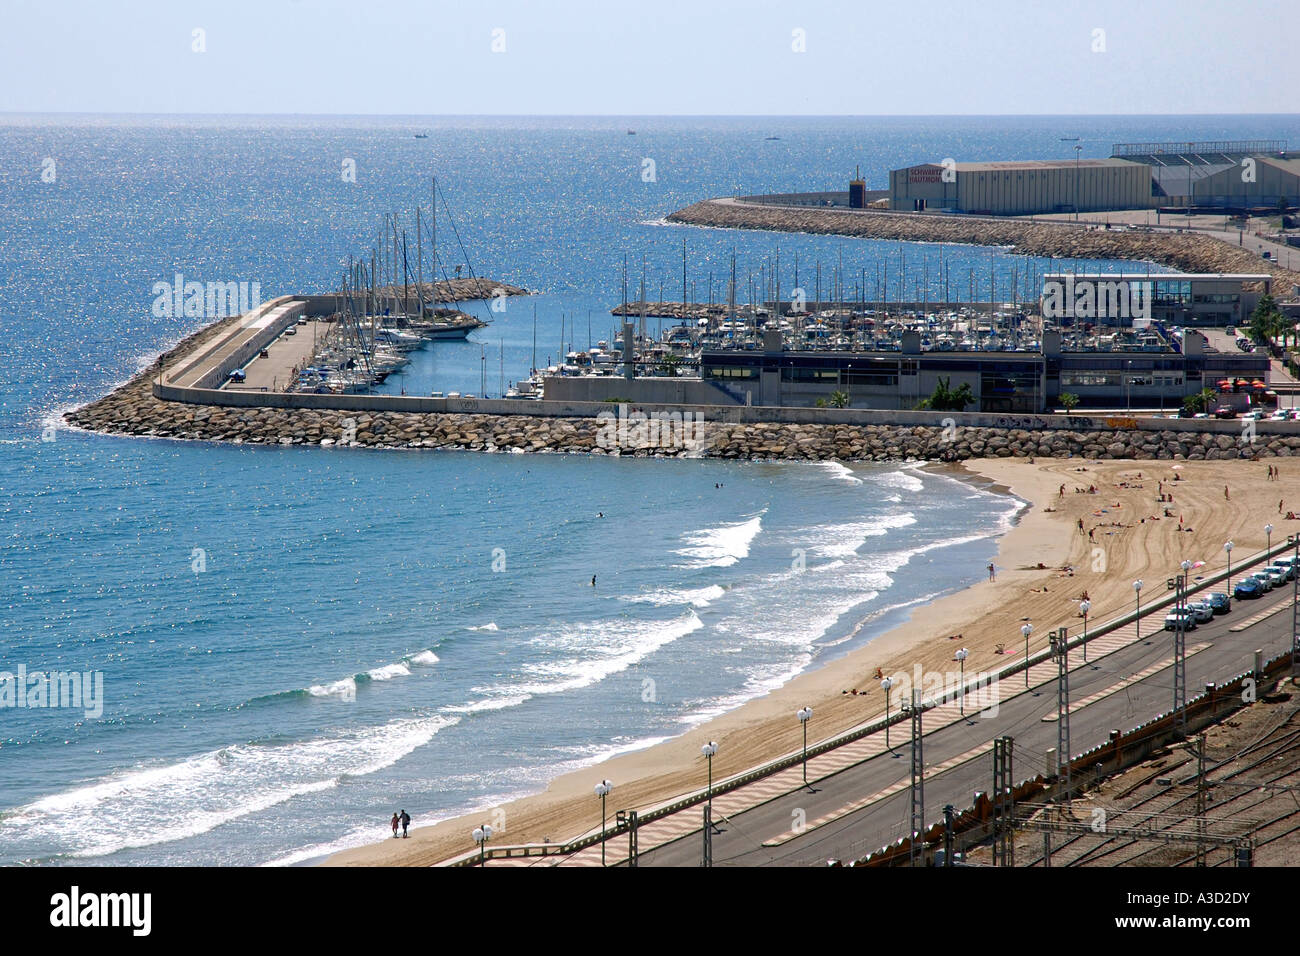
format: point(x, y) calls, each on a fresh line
point(1220, 601)
point(1173, 617)
point(1247, 588)
point(1263, 580)
point(1201, 610)
point(1224, 411)
point(1286, 568)
point(1276, 576)
point(1281, 415)
point(1254, 415)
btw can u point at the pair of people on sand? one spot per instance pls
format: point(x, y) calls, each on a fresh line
point(403, 820)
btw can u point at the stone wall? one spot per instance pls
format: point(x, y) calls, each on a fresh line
point(1187, 252)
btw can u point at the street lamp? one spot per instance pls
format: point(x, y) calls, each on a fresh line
point(709, 750)
point(804, 714)
point(885, 685)
point(481, 836)
point(1268, 531)
point(1026, 631)
point(1227, 546)
point(602, 790)
point(960, 657)
point(1084, 608)
point(1137, 622)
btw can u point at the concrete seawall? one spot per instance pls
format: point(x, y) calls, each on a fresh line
point(1187, 252)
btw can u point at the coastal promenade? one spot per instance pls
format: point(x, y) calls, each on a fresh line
point(858, 793)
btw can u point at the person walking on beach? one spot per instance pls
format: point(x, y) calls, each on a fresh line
point(406, 822)
point(394, 822)
point(993, 574)
point(1226, 496)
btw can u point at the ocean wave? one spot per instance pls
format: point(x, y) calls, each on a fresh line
point(722, 546)
point(388, 672)
point(180, 800)
point(667, 597)
point(345, 689)
point(840, 472)
point(842, 540)
point(903, 479)
point(423, 659)
point(489, 626)
point(597, 651)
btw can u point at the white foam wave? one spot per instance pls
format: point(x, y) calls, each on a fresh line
point(842, 540)
point(346, 688)
point(180, 800)
point(424, 659)
point(840, 472)
point(722, 546)
point(667, 597)
point(903, 479)
point(489, 626)
point(389, 671)
point(598, 651)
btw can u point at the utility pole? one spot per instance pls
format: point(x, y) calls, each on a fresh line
point(1180, 653)
point(1004, 844)
point(1061, 651)
point(918, 778)
point(1201, 794)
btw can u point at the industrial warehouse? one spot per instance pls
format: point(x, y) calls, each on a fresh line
point(1240, 176)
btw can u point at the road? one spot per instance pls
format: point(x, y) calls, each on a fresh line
point(867, 805)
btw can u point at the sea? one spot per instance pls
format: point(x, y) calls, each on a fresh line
point(293, 643)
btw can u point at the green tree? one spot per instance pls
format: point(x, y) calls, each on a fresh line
point(948, 399)
point(1069, 401)
point(1200, 402)
point(839, 399)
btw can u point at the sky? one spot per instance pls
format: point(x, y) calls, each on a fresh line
point(650, 57)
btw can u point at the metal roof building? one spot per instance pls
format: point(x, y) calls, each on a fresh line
point(1022, 187)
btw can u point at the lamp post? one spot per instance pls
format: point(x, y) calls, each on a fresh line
point(804, 714)
point(1084, 608)
point(1137, 622)
point(960, 657)
point(1026, 631)
point(481, 836)
point(1227, 546)
point(1268, 532)
point(885, 685)
point(602, 790)
point(708, 750)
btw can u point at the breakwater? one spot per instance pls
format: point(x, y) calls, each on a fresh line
point(1185, 251)
point(135, 409)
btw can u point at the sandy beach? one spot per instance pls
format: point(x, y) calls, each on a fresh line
point(1133, 535)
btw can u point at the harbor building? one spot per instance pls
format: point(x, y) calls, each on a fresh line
point(1225, 175)
point(1229, 175)
point(1023, 187)
point(1126, 299)
point(1149, 372)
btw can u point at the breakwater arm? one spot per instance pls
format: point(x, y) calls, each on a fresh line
point(1184, 251)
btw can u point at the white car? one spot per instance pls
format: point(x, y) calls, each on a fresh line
point(1173, 617)
point(1201, 610)
point(1281, 415)
point(1254, 415)
point(1276, 576)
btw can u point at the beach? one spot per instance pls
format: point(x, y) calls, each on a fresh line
point(1132, 538)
